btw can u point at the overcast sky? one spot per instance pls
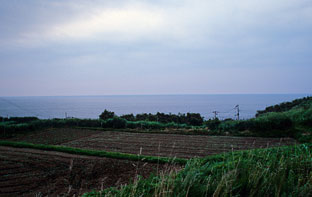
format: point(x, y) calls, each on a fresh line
point(79, 47)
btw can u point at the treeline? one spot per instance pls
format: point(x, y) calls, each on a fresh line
point(10, 128)
point(18, 119)
point(193, 119)
point(286, 106)
point(270, 125)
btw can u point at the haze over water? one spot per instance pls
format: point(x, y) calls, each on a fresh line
point(47, 107)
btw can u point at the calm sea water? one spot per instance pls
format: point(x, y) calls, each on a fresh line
point(91, 106)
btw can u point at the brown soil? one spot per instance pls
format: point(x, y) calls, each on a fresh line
point(169, 145)
point(28, 172)
point(173, 145)
point(54, 136)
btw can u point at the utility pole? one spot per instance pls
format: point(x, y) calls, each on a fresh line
point(215, 114)
point(237, 114)
point(65, 115)
point(3, 125)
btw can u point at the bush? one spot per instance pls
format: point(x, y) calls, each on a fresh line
point(23, 119)
point(213, 124)
point(117, 123)
point(107, 115)
point(273, 124)
point(193, 119)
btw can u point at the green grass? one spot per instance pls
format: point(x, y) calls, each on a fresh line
point(295, 122)
point(78, 151)
point(282, 171)
point(12, 128)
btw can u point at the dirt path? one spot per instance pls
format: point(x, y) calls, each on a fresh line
point(29, 172)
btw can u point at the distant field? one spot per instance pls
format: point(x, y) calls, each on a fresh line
point(172, 145)
point(54, 136)
point(169, 145)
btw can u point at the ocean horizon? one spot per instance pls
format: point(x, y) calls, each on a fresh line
point(91, 106)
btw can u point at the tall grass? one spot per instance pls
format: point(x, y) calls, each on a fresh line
point(283, 171)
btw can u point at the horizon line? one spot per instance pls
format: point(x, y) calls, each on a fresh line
point(190, 94)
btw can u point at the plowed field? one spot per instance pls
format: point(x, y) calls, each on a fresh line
point(27, 172)
point(172, 145)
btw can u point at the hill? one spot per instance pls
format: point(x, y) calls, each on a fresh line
point(286, 106)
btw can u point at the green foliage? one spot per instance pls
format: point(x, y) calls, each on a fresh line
point(212, 124)
point(107, 115)
point(282, 171)
point(272, 124)
point(97, 153)
point(128, 117)
point(193, 119)
point(115, 122)
point(19, 119)
point(9, 129)
point(282, 107)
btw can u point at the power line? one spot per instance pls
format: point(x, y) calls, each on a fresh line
point(226, 111)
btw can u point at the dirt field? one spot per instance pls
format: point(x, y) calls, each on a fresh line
point(172, 145)
point(169, 145)
point(27, 172)
point(54, 136)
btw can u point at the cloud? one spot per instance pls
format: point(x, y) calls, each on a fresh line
point(213, 43)
point(116, 23)
point(188, 22)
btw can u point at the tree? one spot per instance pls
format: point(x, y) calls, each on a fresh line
point(106, 115)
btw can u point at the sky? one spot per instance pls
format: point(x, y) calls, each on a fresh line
point(121, 47)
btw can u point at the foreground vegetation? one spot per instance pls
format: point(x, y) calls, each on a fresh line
point(282, 171)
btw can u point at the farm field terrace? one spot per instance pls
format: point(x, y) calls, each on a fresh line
point(29, 172)
point(166, 145)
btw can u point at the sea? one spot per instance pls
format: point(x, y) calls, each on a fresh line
point(90, 107)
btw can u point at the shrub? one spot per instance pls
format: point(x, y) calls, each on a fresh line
point(107, 115)
point(272, 121)
point(117, 123)
point(213, 124)
point(23, 119)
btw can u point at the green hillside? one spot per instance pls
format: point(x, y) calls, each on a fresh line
point(286, 106)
